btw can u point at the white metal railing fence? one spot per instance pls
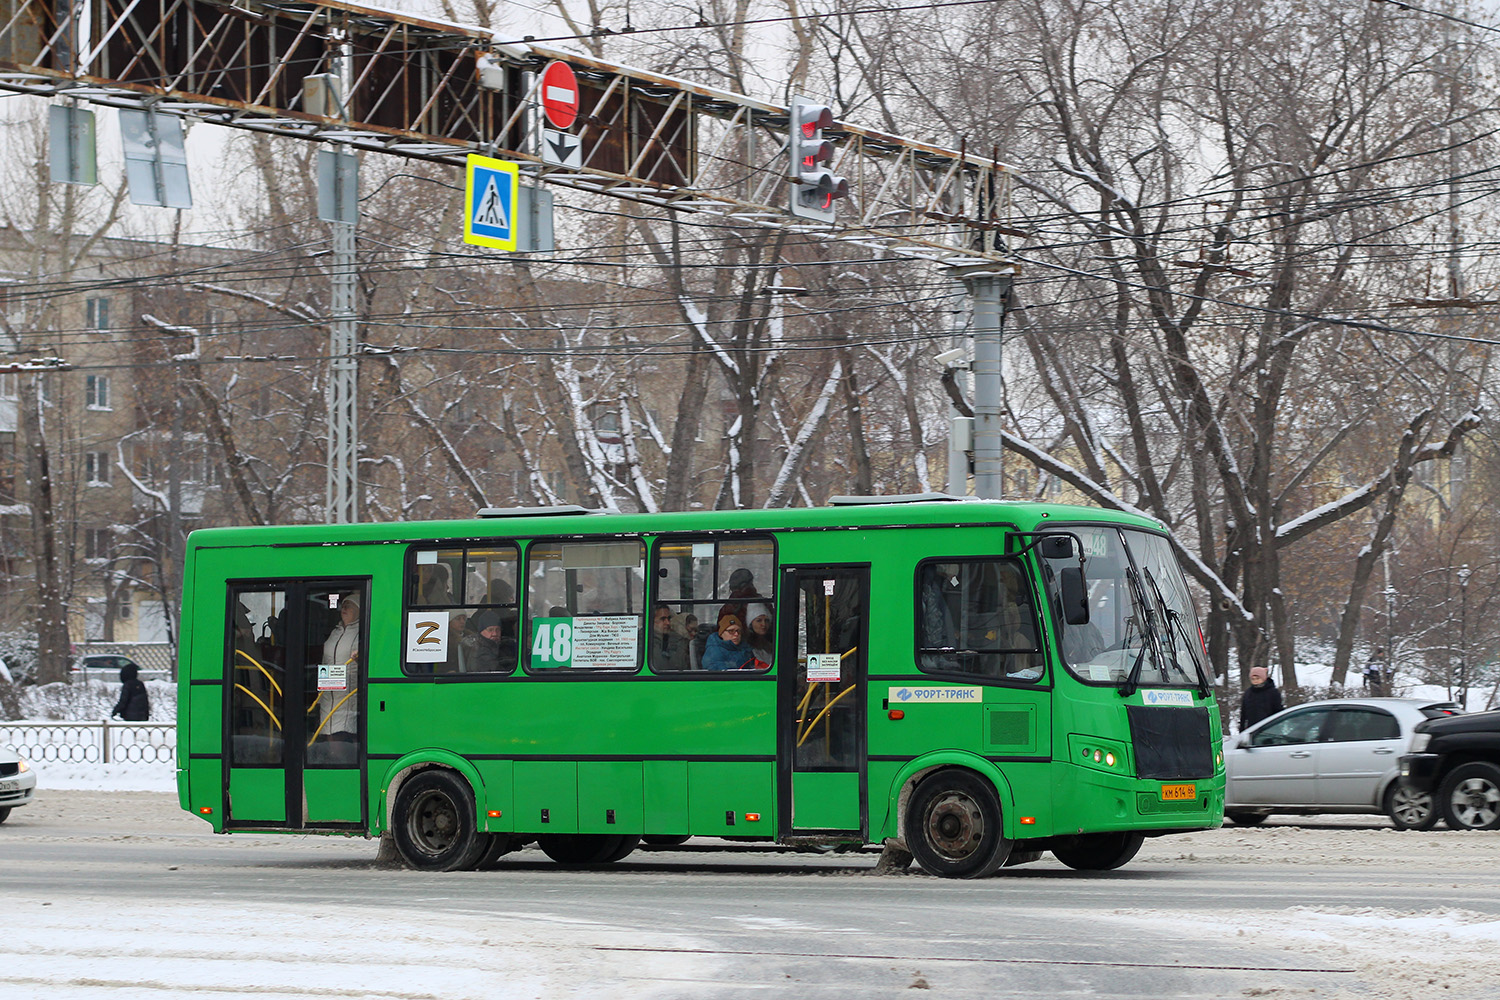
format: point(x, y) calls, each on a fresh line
point(102, 742)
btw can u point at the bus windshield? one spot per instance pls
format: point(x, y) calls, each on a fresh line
point(1142, 629)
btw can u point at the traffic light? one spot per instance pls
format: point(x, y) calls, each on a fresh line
point(815, 187)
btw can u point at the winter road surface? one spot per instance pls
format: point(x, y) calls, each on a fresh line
point(119, 895)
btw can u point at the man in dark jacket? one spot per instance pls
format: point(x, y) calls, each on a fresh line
point(134, 704)
point(1261, 699)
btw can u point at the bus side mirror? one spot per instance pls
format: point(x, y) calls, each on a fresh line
point(1075, 598)
point(1057, 547)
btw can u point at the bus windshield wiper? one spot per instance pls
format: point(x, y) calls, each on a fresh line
point(1132, 680)
point(1174, 625)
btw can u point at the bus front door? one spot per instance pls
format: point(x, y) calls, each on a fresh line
point(823, 642)
point(294, 730)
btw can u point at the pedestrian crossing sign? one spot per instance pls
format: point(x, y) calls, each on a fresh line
point(490, 196)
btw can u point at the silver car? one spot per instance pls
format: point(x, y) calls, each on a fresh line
point(17, 782)
point(1329, 757)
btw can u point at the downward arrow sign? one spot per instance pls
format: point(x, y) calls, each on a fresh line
point(561, 149)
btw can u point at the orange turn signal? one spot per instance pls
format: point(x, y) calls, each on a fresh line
point(206, 810)
point(494, 814)
point(752, 817)
point(896, 714)
point(1028, 821)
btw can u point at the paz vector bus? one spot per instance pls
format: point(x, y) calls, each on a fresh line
point(976, 681)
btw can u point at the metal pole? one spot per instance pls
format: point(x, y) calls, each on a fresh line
point(991, 291)
point(1463, 636)
point(343, 386)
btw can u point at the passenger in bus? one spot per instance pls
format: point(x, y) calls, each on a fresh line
point(669, 648)
point(725, 650)
point(759, 638)
point(694, 647)
point(338, 718)
point(741, 591)
point(495, 652)
point(436, 585)
point(463, 643)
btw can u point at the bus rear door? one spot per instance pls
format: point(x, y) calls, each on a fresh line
point(823, 641)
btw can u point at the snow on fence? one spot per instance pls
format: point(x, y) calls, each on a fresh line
point(102, 742)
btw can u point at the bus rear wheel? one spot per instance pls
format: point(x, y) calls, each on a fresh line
point(953, 826)
point(587, 848)
point(1098, 852)
point(434, 823)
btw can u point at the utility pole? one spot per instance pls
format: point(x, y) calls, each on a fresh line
point(990, 290)
point(342, 499)
point(343, 376)
point(1463, 636)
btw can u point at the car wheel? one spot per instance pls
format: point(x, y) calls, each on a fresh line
point(1409, 809)
point(1242, 817)
point(1100, 852)
point(585, 848)
point(434, 823)
point(4, 813)
point(953, 826)
point(1470, 797)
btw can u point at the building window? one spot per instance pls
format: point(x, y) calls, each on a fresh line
point(96, 392)
point(97, 543)
point(98, 315)
point(96, 468)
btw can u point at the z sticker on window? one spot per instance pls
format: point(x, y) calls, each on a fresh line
point(426, 636)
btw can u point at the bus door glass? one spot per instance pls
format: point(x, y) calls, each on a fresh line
point(824, 634)
point(295, 669)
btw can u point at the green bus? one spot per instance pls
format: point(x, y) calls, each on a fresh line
point(974, 681)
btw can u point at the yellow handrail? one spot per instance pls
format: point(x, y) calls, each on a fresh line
point(274, 721)
point(257, 665)
point(331, 711)
point(807, 731)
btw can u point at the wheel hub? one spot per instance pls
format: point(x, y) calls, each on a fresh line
point(1477, 802)
point(955, 825)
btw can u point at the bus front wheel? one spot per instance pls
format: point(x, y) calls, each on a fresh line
point(953, 826)
point(434, 823)
point(1098, 852)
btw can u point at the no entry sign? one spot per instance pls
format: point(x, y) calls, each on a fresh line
point(559, 94)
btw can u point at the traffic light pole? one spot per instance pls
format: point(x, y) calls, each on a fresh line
point(990, 291)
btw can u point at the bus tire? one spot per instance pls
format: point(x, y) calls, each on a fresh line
point(952, 826)
point(435, 826)
point(1098, 852)
point(586, 848)
point(665, 840)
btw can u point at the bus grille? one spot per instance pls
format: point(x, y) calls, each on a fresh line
point(1171, 742)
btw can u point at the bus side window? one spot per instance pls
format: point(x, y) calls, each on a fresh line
point(585, 604)
point(468, 622)
point(975, 616)
point(702, 582)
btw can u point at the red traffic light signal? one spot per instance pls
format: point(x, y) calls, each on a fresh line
point(815, 187)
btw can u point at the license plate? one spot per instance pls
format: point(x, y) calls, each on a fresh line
point(9, 786)
point(1172, 793)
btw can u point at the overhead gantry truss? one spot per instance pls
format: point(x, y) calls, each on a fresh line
point(435, 91)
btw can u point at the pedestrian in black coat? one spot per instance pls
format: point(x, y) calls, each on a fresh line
point(134, 704)
point(1261, 699)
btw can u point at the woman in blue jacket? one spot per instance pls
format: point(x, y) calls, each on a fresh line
point(724, 650)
